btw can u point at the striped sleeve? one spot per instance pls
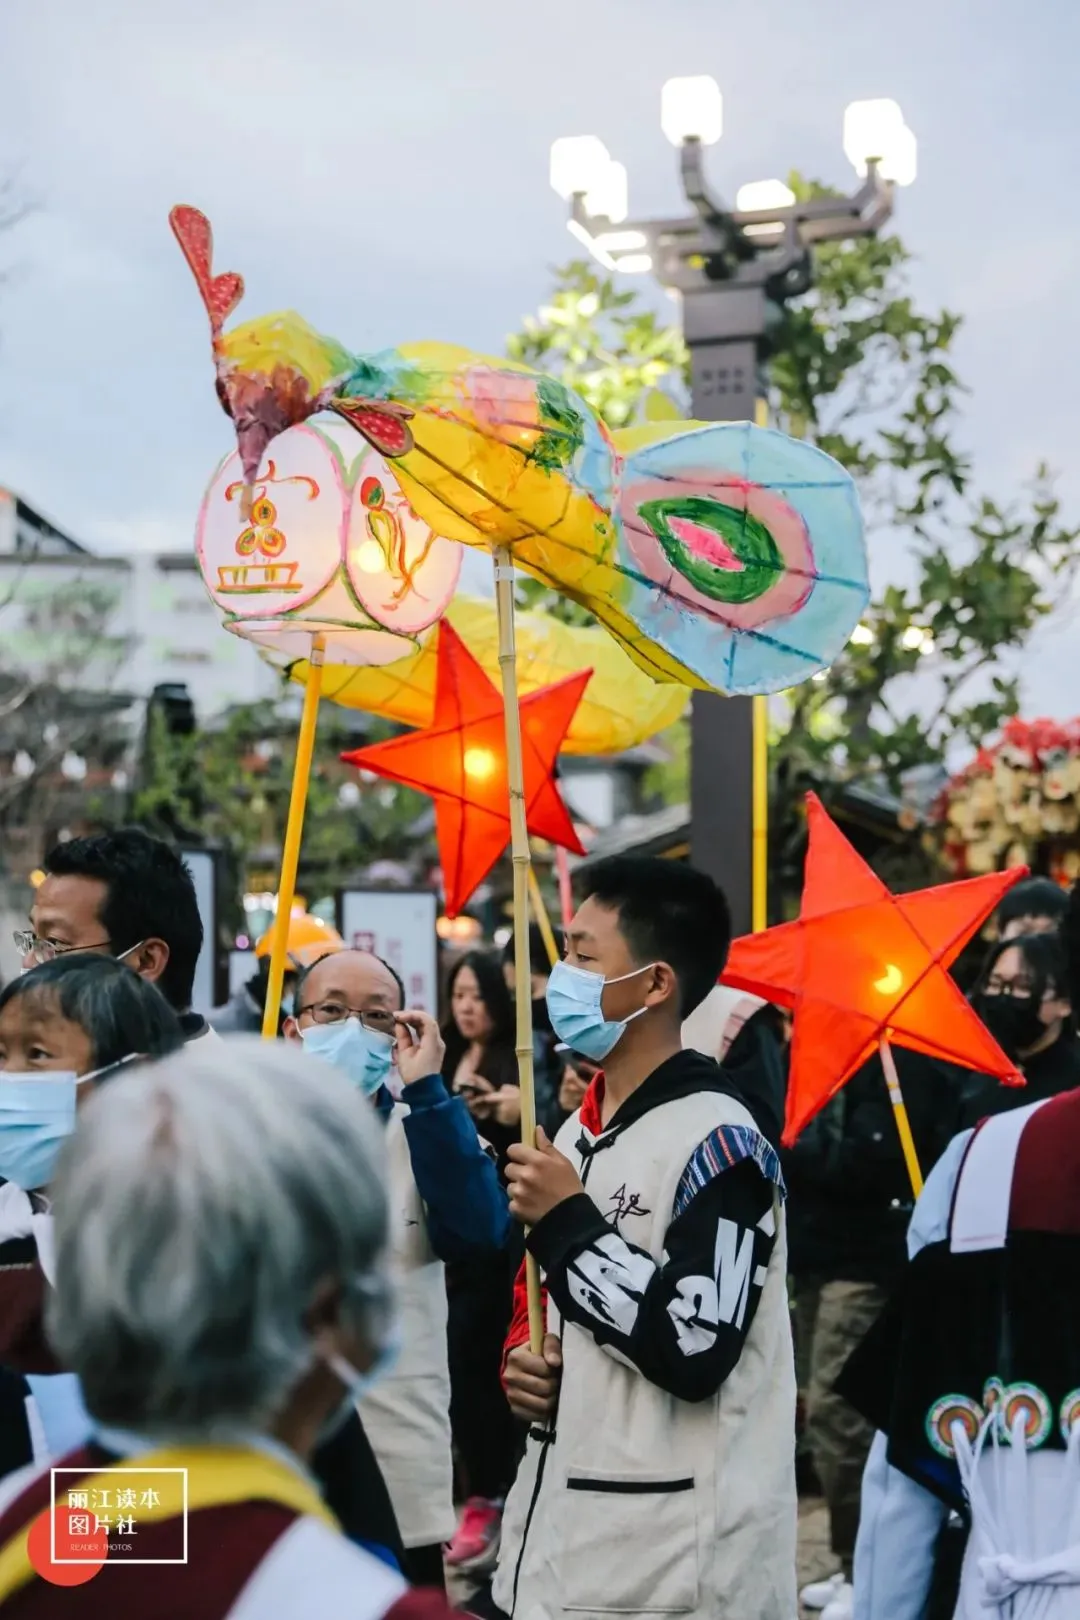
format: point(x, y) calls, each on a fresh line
point(728, 1145)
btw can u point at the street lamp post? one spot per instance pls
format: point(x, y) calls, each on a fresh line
point(732, 270)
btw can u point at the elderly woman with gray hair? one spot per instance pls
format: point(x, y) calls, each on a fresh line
point(221, 1293)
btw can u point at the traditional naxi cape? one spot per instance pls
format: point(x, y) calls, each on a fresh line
point(973, 1372)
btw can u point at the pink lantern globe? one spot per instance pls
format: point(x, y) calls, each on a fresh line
point(330, 546)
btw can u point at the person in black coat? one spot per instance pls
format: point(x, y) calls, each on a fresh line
point(849, 1203)
point(1024, 997)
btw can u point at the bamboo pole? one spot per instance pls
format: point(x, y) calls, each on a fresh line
point(519, 850)
point(294, 828)
point(900, 1114)
point(543, 921)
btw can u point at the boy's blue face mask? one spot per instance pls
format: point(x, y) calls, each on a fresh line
point(575, 1003)
point(364, 1055)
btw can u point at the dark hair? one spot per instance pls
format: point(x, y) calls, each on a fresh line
point(496, 998)
point(149, 894)
point(304, 972)
point(1034, 897)
point(1044, 955)
point(121, 1013)
point(539, 960)
point(668, 912)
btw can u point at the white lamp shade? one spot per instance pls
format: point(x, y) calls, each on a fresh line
point(331, 546)
point(692, 109)
point(608, 198)
point(901, 164)
point(758, 195)
point(872, 129)
point(578, 164)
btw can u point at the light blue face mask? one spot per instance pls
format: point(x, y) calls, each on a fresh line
point(37, 1115)
point(575, 1003)
point(363, 1054)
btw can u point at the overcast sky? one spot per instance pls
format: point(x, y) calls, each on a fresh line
point(383, 169)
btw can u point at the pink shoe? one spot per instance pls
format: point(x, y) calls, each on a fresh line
point(475, 1544)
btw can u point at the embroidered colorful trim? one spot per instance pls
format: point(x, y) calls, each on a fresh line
point(1070, 1413)
point(1025, 1401)
point(945, 1414)
point(724, 1147)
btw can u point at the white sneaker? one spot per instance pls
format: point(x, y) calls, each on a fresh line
point(819, 1594)
point(842, 1606)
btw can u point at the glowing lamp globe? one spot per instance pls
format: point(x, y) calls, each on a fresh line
point(329, 546)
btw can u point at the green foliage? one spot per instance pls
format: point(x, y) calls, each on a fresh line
point(871, 379)
point(599, 342)
point(858, 367)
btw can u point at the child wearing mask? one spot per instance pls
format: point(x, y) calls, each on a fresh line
point(660, 1469)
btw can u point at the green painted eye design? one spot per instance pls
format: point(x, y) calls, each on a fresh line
point(726, 554)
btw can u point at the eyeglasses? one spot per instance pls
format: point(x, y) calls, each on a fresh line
point(27, 943)
point(335, 1012)
point(1012, 989)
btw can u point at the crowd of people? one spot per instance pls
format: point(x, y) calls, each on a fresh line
point(297, 1269)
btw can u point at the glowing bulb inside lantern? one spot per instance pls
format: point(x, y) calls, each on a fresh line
point(479, 763)
point(890, 982)
point(369, 558)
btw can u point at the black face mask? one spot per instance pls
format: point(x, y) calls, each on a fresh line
point(1013, 1022)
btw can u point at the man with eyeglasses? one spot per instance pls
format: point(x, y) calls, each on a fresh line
point(128, 895)
point(446, 1202)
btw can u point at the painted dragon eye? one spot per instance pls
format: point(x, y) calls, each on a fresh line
point(725, 553)
point(372, 493)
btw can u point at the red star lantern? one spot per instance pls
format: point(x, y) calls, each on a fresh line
point(460, 759)
point(861, 965)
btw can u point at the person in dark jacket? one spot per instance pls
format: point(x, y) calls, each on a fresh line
point(850, 1201)
point(1024, 999)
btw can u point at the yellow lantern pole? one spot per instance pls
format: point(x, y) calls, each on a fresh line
point(760, 845)
point(900, 1114)
point(759, 890)
point(294, 827)
point(519, 850)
